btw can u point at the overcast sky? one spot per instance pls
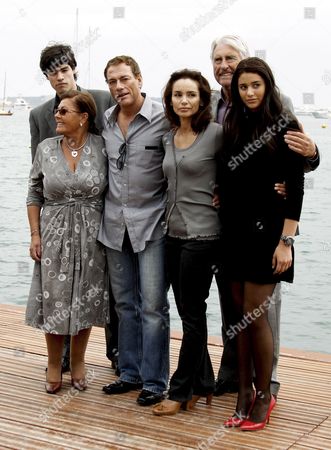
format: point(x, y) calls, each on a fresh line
point(164, 36)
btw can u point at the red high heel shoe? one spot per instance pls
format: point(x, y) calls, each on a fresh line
point(248, 425)
point(237, 419)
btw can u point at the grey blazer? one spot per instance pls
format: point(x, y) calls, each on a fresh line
point(43, 125)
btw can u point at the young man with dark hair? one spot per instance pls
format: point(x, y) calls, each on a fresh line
point(58, 63)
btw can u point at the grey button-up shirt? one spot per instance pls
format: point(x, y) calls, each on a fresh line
point(219, 106)
point(136, 197)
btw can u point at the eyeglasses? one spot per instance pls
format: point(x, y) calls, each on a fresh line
point(64, 111)
point(122, 156)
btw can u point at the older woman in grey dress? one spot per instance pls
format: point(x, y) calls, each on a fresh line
point(69, 292)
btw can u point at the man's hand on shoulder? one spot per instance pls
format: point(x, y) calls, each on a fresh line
point(301, 143)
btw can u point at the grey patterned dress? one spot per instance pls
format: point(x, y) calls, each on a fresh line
point(69, 290)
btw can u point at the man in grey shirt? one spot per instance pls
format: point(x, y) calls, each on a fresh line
point(133, 232)
point(226, 53)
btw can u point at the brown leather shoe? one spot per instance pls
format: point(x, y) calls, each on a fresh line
point(195, 398)
point(80, 385)
point(53, 388)
point(168, 408)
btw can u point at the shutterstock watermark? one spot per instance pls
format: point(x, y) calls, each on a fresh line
point(60, 315)
point(252, 147)
point(64, 59)
point(326, 246)
point(204, 19)
point(249, 317)
point(207, 443)
point(309, 183)
point(91, 37)
point(326, 77)
point(19, 352)
point(65, 399)
point(55, 65)
point(286, 288)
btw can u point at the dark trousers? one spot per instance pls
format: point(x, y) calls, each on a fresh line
point(111, 331)
point(66, 350)
point(190, 267)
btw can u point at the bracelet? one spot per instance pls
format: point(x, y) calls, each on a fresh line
point(36, 230)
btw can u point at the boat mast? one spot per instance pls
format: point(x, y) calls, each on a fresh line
point(4, 93)
point(76, 33)
point(89, 59)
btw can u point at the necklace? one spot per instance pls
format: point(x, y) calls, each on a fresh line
point(74, 151)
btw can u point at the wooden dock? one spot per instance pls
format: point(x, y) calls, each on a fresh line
point(32, 419)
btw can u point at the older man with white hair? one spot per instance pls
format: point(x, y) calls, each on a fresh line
point(226, 53)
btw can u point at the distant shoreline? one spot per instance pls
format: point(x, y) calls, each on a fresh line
point(303, 110)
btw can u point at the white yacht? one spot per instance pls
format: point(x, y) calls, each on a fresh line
point(20, 103)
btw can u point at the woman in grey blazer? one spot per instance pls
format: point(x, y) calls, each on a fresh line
point(193, 228)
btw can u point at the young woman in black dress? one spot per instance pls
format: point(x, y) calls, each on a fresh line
point(258, 225)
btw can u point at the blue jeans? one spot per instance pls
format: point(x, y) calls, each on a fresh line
point(139, 287)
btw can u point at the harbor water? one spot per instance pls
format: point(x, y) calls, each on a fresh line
point(306, 310)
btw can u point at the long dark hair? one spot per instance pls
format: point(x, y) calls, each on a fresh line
point(202, 117)
point(85, 104)
point(268, 113)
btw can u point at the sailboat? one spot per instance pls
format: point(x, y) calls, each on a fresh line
point(4, 110)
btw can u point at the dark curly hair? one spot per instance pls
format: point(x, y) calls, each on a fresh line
point(54, 56)
point(202, 117)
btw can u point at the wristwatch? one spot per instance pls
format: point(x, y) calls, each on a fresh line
point(288, 240)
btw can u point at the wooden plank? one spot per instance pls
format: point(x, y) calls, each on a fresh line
point(8, 440)
point(314, 442)
point(92, 419)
